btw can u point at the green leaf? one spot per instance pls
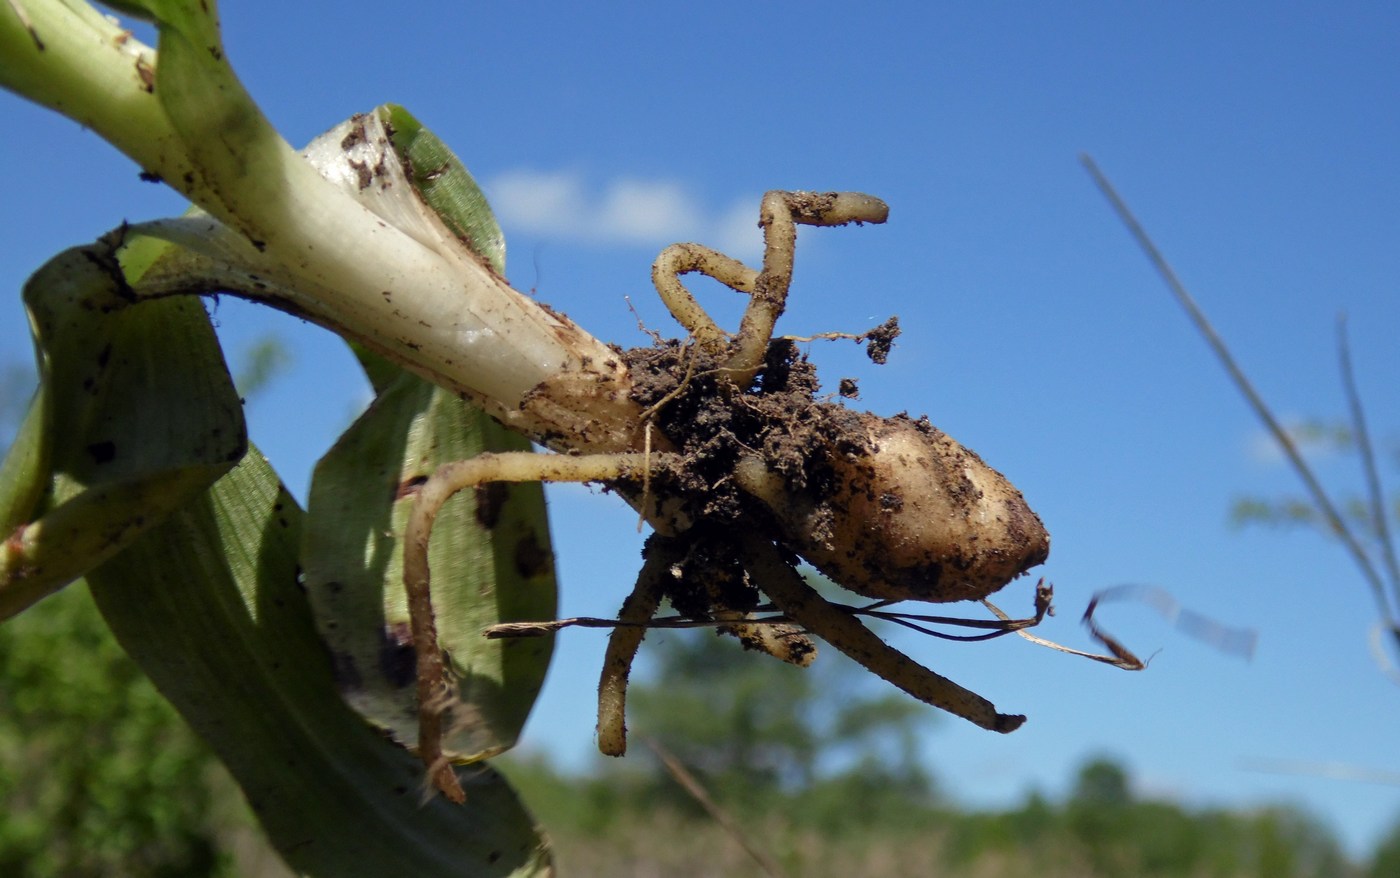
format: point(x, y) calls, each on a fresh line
point(24, 473)
point(84, 64)
point(211, 607)
point(446, 185)
point(135, 415)
point(490, 556)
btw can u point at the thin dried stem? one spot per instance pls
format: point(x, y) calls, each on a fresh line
point(1000, 627)
point(1238, 641)
point(915, 621)
point(1121, 657)
point(1381, 641)
point(1368, 460)
point(1319, 495)
point(697, 791)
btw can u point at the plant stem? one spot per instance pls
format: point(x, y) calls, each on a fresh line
point(305, 244)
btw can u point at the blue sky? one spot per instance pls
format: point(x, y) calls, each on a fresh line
point(1256, 141)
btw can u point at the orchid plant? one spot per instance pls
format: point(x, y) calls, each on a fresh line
point(278, 632)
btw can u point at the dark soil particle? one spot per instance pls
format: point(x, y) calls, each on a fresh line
point(713, 424)
point(880, 340)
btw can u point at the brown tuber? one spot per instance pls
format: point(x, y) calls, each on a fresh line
point(908, 514)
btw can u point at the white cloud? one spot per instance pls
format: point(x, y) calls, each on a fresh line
point(642, 212)
point(627, 211)
point(737, 232)
point(546, 203)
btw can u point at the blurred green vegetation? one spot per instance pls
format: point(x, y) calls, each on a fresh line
point(1323, 439)
point(99, 776)
point(827, 780)
point(264, 360)
point(605, 828)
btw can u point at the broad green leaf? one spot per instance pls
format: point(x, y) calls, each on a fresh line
point(380, 371)
point(186, 119)
point(136, 415)
point(490, 556)
point(211, 606)
point(249, 172)
point(210, 603)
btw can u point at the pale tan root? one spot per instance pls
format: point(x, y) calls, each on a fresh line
point(779, 215)
point(679, 259)
point(434, 695)
point(623, 643)
point(784, 642)
point(842, 630)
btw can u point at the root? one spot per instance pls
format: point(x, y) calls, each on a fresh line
point(843, 631)
point(779, 215)
point(624, 642)
point(434, 693)
point(679, 259)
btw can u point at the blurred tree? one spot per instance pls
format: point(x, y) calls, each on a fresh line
point(1291, 842)
point(760, 732)
point(1102, 783)
point(1100, 816)
point(263, 362)
point(98, 774)
point(1385, 862)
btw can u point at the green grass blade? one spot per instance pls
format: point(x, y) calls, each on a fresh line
point(24, 473)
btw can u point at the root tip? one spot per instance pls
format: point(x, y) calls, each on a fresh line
point(1006, 723)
